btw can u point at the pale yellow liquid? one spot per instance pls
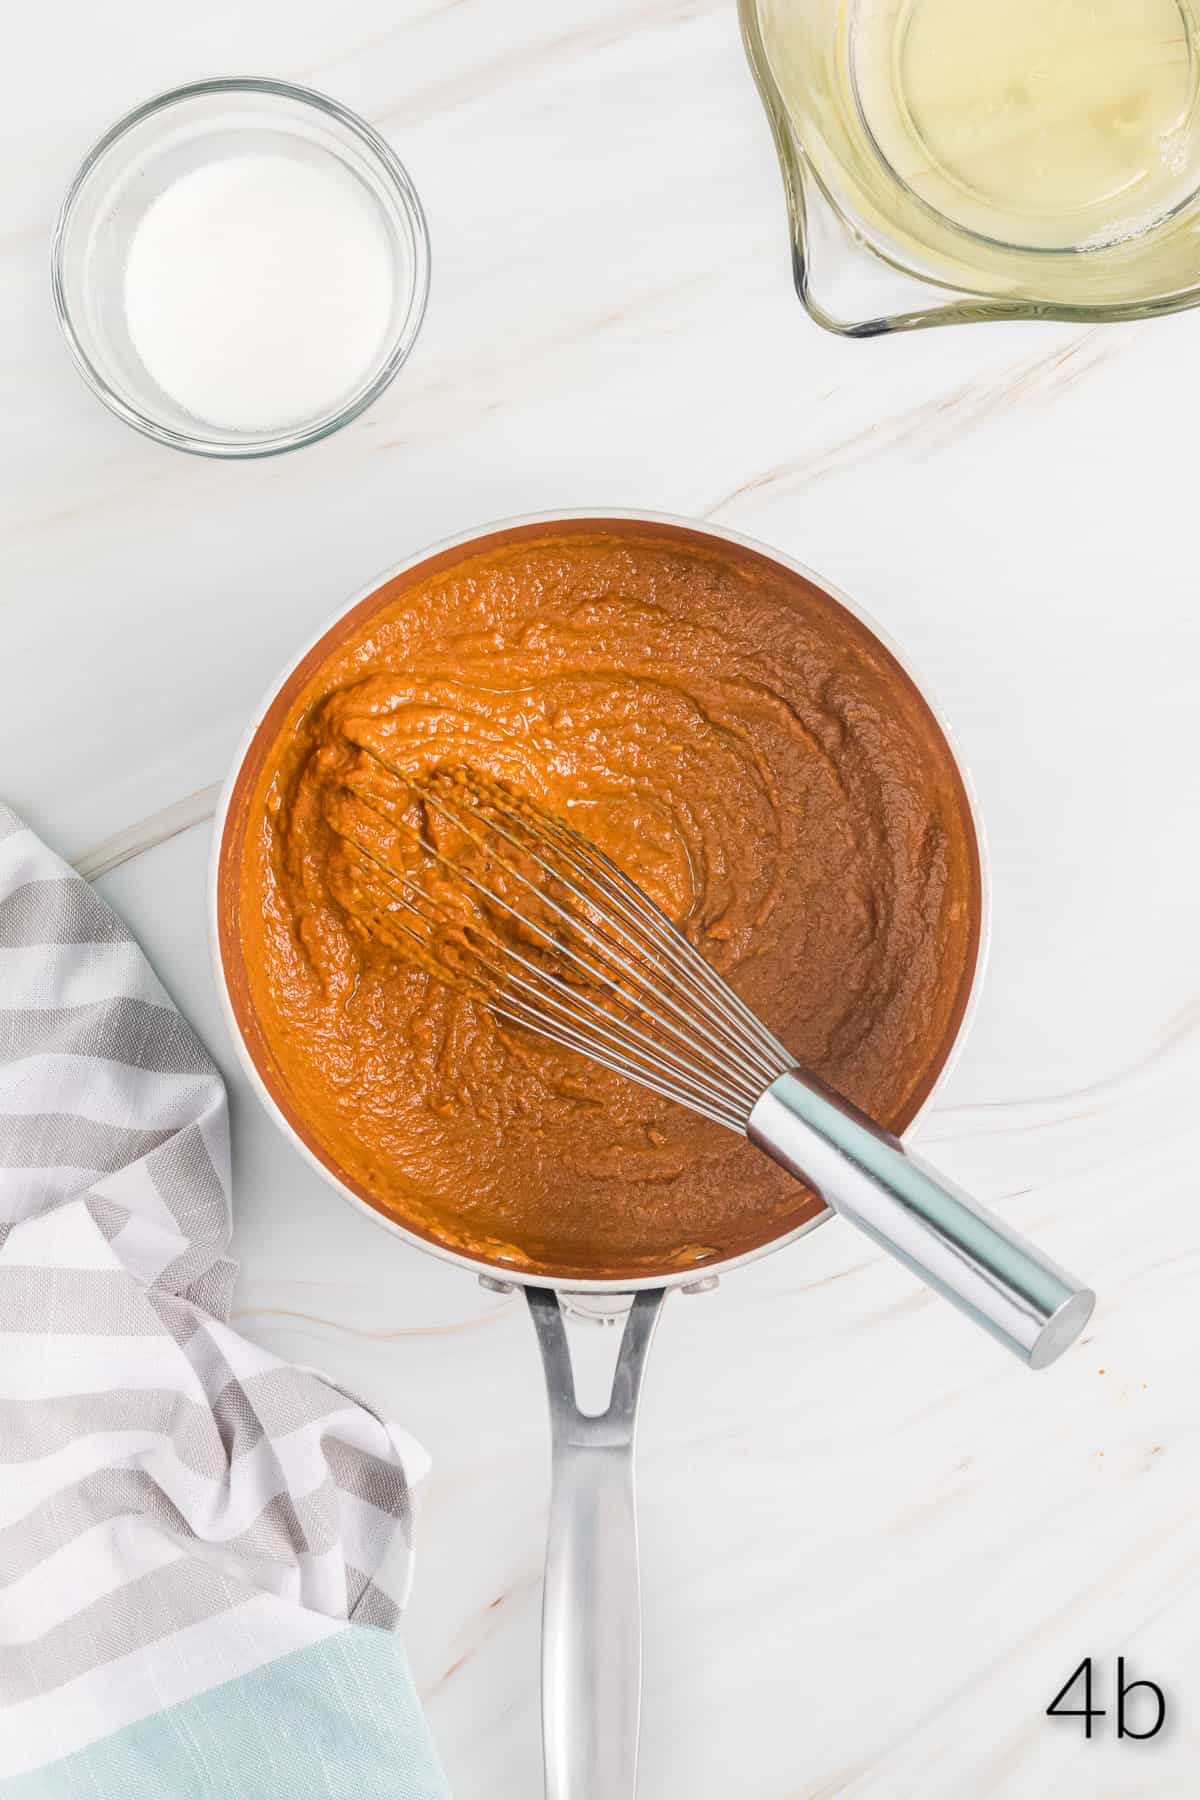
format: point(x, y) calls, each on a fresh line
point(1045, 125)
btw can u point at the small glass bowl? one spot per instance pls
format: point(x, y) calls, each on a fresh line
point(140, 157)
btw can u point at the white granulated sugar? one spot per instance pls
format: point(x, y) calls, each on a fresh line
point(258, 290)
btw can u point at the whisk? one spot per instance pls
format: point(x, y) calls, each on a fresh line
point(499, 898)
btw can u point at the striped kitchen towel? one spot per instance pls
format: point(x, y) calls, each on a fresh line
point(203, 1551)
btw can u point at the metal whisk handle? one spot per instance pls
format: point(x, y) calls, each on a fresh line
point(986, 1269)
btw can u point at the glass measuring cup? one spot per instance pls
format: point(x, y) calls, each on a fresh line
point(947, 161)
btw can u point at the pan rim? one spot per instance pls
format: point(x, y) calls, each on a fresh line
point(498, 1271)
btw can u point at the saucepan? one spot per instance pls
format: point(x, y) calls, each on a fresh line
point(591, 1658)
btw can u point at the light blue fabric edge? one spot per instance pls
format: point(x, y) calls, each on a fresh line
point(339, 1720)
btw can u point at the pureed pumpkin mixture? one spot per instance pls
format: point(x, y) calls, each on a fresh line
point(730, 736)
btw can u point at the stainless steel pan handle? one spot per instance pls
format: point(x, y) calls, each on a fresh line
point(591, 1606)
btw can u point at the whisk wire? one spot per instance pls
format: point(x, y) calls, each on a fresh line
point(691, 969)
point(760, 1056)
point(716, 1052)
point(654, 1064)
point(667, 1020)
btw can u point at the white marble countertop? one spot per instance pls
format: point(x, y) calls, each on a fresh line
point(873, 1548)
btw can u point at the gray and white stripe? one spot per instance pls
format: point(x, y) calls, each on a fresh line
point(161, 1479)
